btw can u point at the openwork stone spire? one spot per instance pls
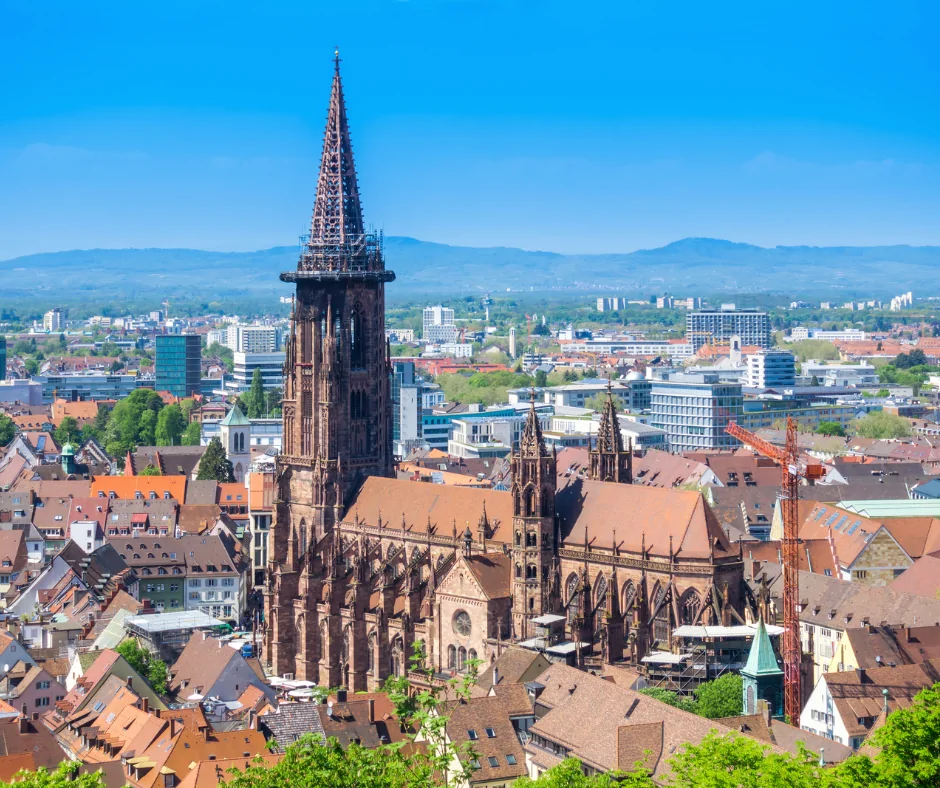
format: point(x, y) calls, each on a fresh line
point(609, 439)
point(338, 241)
point(610, 462)
point(531, 443)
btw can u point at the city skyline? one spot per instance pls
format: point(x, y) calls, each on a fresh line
point(475, 124)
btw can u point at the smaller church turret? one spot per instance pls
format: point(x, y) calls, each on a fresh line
point(235, 434)
point(610, 462)
point(763, 678)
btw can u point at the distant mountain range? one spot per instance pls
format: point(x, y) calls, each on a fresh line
point(693, 266)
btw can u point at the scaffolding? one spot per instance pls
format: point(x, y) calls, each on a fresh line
point(702, 653)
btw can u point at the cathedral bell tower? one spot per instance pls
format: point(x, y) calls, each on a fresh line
point(336, 406)
point(610, 462)
point(533, 525)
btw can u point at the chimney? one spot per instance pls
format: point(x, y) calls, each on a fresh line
point(755, 568)
point(130, 682)
point(24, 720)
point(253, 719)
point(145, 705)
point(340, 696)
point(495, 675)
point(860, 674)
point(763, 708)
point(172, 727)
point(907, 634)
point(371, 710)
point(205, 634)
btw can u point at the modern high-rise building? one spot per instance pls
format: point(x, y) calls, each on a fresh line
point(270, 364)
point(3, 358)
point(771, 369)
point(512, 343)
point(250, 339)
point(179, 364)
point(52, 320)
point(717, 326)
point(439, 325)
point(694, 411)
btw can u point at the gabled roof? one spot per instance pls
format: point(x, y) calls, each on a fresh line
point(493, 573)
point(610, 727)
point(650, 516)
point(200, 665)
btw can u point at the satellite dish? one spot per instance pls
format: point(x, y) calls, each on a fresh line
point(6, 668)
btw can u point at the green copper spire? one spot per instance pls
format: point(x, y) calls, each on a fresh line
point(761, 660)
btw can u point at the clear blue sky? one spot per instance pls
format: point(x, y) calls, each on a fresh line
point(593, 126)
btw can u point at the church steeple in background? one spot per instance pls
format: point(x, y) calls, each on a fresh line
point(610, 462)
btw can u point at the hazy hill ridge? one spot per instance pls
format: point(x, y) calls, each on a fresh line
point(691, 266)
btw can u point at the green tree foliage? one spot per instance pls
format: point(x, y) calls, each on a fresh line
point(65, 776)
point(486, 388)
point(908, 745)
point(67, 431)
point(192, 435)
point(569, 774)
point(159, 676)
point(254, 399)
point(154, 670)
point(7, 429)
point(170, 426)
point(735, 761)
point(912, 376)
point(818, 349)
point(721, 697)
point(136, 657)
point(32, 366)
point(599, 401)
point(147, 428)
point(831, 428)
point(541, 378)
point(222, 353)
point(150, 470)
point(916, 358)
point(215, 465)
point(883, 425)
point(127, 427)
point(272, 402)
point(670, 698)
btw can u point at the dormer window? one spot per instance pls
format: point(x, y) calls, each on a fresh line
point(153, 495)
point(166, 495)
point(138, 495)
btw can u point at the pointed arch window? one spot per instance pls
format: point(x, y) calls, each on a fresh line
point(571, 597)
point(452, 657)
point(600, 592)
point(356, 341)
point(689, 609)
point(303, 537)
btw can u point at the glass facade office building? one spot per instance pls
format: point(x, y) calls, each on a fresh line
point(179, 364)
point(3, 358)
point(694, 411)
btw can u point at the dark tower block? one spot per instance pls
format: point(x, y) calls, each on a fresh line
point(610, 462)
point(336, 408)
point(533, 526)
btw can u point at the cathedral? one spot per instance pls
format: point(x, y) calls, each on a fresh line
point(364, 567)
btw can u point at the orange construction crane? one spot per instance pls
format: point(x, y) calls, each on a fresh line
point(788, 458)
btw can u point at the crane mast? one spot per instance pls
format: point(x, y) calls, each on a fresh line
point(792, 470)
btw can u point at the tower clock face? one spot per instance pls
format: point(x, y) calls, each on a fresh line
point(462, 625)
